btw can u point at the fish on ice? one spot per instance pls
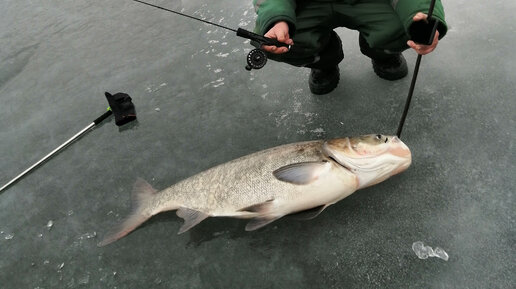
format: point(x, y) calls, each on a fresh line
point(300, 178)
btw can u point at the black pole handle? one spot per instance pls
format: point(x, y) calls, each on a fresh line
point(262, 40)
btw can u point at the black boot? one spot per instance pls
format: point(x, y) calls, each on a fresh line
point(323, 81)
point(393, 67)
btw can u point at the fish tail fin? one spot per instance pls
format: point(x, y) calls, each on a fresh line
point(142, 194)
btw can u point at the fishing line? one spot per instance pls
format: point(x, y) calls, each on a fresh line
point(256, 58)
point(186, 15)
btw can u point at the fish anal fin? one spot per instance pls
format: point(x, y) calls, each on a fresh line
point(258, 222)
point(302, 173)
point(192, 217)
point(308, 214)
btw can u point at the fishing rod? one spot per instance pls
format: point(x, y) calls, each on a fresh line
point(119, 104)
point(416, 68)
point(256, 58)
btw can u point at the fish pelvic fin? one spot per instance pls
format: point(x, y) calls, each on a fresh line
point(261, 208)
point(264, 211)
point(142, 194)
point(191, 217)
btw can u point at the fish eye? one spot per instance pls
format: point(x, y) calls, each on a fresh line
point(378, 136)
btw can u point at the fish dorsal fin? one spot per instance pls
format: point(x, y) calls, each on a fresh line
point(302, 173)
point(308, 214)
point(191, 217)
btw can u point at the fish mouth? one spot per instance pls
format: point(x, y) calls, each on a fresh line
point(401, 150)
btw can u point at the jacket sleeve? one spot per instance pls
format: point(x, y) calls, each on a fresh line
point(406, 9)
point(272, 11)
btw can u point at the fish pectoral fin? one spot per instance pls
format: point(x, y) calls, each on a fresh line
point(308, 214)
point(191, 217)
point(302, 173)
point(259, 222)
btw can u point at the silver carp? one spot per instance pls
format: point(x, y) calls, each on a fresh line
point(301, 178)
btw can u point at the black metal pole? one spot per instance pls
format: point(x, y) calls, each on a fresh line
point(120, 105)
point(414, 76)
point(55, 151)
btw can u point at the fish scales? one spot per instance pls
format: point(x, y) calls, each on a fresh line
point(249, 178)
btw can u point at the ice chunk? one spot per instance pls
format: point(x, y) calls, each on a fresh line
point(50, 224)
point(88, 236)
point(423, 252)
point(440, 253)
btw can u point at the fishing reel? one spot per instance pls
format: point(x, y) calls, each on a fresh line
point(256, 59)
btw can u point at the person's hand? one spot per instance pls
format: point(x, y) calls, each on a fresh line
point(421, 48)
point(279, 32)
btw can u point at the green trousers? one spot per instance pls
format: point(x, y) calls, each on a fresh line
point(316, 45)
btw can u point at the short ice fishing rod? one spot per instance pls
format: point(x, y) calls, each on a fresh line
point(119, 104)
point(256, 58)
point(429, 23)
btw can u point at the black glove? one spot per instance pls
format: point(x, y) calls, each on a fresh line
point(122, 107)
point(423, 32)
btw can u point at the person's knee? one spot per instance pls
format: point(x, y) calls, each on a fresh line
point(395, 46)
point(325, 54)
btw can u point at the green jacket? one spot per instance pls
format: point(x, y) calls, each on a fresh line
point(271, 11)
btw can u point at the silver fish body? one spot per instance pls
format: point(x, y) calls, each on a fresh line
point(269, 184)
